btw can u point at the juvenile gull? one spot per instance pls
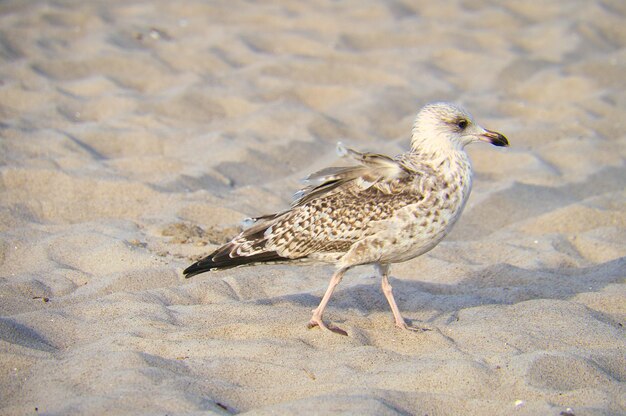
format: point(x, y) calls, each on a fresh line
point(379, 211)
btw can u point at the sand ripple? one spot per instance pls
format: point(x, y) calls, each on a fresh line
point(126, 125)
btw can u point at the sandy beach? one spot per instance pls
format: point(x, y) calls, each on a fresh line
point(135, 136)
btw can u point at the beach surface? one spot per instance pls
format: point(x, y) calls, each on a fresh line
point(135, 136)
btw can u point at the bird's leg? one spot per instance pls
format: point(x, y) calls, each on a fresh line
point(316, 319)
point(388, 291)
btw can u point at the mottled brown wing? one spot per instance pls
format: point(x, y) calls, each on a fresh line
point(332, 222)
point(373, 169)
point(346, 204)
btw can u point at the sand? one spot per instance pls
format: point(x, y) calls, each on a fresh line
point(136, 135)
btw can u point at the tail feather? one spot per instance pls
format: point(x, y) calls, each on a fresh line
point(221, 259)
point(249, 247)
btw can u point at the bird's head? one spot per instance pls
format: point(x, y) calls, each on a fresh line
point(446, 125)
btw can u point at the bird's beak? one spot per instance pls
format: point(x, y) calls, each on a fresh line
point(494, 138)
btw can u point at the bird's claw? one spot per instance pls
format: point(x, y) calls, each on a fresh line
point(318, 322)
point(404, 326)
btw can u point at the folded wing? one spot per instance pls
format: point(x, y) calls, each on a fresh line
point(373, 170)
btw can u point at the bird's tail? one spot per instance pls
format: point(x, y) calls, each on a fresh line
point(249, 247)
point(221, 259)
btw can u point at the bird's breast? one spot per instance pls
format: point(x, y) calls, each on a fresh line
point(419, 227)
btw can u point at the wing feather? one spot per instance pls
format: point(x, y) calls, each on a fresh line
point(373, 170)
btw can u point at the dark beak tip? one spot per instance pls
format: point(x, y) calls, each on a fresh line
point(501, 141)
point(497, 139)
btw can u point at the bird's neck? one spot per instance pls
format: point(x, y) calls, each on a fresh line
point(443, 158)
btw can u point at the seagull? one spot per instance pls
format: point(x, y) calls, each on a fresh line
point(379, 210)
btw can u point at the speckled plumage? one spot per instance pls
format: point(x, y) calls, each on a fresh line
point(379, 211)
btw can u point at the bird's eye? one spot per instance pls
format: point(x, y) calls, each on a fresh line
point(462, 124)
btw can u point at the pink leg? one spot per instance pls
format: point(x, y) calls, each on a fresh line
point(388, 291)
point(316, 319)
